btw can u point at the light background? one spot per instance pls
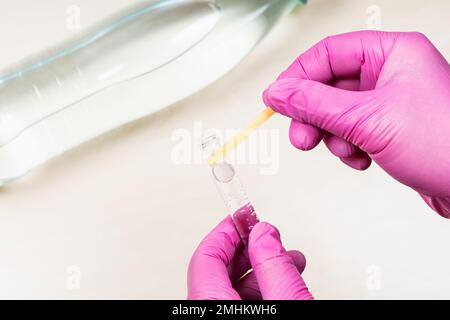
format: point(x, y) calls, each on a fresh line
point(120, 210)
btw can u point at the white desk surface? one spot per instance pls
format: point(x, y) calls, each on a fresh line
point(123, 213)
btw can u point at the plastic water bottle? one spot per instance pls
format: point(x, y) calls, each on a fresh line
point(158, 52)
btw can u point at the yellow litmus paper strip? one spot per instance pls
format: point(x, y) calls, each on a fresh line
point(240, 136)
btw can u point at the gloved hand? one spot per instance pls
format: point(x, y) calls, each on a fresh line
point(382, 96)
point(219, 266)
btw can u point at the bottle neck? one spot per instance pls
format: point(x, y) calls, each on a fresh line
point(298, 2)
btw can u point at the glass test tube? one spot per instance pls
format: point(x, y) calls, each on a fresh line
point(231, 191)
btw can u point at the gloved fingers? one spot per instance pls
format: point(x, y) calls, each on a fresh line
point(347, 62)
point(439, 204)
point(208, 276)
point(358, 54)
point(276, 273)
point(339, 147)
point(299, 260)
point(351, 84)
point(350, 154)
point(239, 265)
point(360, 161)
point(340, 112)
point(304, 136)
point(248, 287)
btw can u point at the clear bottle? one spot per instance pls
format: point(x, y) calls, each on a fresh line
point(158, 52)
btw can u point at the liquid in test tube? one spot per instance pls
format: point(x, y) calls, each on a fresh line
point(231, 191)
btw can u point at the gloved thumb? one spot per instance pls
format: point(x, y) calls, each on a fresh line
point(341, 112)
point(275, 271)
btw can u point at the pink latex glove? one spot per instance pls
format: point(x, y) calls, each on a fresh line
point(382, 96)
point(219, 266)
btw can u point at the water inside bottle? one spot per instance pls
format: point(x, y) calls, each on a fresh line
point(127, 67)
